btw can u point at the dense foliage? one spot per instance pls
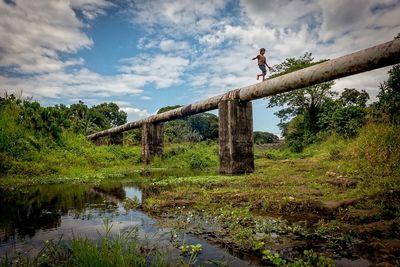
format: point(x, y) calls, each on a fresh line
point(50, 121)
point(203, 126)
point(299, 115)
point(38, 140)
point(311, 112)
point(264, 138)
point(387, 109)
point(346, 114)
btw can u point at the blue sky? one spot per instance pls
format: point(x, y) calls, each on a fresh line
point(144, 55)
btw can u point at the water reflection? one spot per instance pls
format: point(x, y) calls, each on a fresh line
point(24, 212)
point(133, 193)
point(30, 216)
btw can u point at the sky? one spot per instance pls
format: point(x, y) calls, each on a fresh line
point(147, 54)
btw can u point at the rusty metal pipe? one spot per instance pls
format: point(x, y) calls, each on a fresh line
point(382, 55)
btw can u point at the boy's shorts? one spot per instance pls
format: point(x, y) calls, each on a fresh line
point(263, 69)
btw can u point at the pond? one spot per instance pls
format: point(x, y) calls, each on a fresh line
point(31, 215)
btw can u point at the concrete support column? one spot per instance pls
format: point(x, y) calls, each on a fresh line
point(152, 141)
point(116, 139)
point(236, 154)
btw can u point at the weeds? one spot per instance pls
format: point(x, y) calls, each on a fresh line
point(121, 250)
point(191, 251)
point(309, 258)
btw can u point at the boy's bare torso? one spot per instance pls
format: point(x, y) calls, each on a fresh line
point(261, 60)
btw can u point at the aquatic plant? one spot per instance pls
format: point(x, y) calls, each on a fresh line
point(191, 251)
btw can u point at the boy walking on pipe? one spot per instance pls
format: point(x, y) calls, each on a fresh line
point(262, 62)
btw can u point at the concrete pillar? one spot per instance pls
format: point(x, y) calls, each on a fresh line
point(236, 154)
point(116, 139)
point(152, 141)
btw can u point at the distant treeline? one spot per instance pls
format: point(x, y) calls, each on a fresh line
point(51, 121)
point(199, 127)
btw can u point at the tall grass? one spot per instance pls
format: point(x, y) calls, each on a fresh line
point(376, 151)
point(199, 156)
point(110, 250)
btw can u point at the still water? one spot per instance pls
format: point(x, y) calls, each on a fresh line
point(30, 216)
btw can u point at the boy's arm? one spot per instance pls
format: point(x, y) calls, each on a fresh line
point(268, 66)
point(254, 58)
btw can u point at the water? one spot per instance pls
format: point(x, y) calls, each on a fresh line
point(30, 216)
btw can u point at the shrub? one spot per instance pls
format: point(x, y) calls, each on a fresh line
point(199, 161)
point(377, 149)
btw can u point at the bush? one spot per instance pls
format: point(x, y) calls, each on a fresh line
point(199, 161)
point(194, 156)
point(377, 149)
point(6, 163)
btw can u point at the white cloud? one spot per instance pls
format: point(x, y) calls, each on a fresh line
point(82, 83)
point(163, 70)
point(135, 112)
point(368, 81)
point(185, 15)
point(122, 103)
point(168, 45)
point(33, 33)
point(347, 17)
point(144, 97)
point(146, 43)
point(211, 40)
point(281, 13)
point(91, 8)
point(207, 23)
point(342, 16)
point(289, 29)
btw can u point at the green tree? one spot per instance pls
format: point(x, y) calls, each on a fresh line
point(387, 108)
point(87, 120)
point(81, 122)
point(264, 138)
point(178, 131)
point(345, 115)
point(205, 124)
point(168, 108)
point(192, 128)
point(107, 115)
point(46, 121)
point(305, 102)
point(133, 137)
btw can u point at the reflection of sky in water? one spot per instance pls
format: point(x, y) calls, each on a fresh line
point(87, 220)
point(133, 192)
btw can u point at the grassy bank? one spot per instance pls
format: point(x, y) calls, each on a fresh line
point(74, 159)
point(77, 160)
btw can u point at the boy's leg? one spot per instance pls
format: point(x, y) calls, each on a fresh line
point(263, 70)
